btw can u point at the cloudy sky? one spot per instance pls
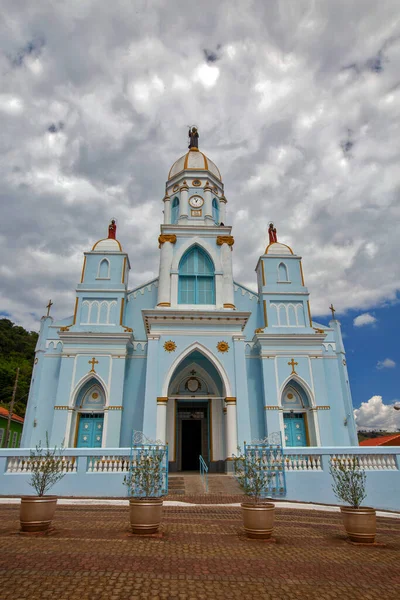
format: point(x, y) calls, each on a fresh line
point(297, 102)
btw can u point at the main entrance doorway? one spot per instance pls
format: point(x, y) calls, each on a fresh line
point(192, 432)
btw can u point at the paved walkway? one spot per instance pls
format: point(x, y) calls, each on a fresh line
point(202, 554)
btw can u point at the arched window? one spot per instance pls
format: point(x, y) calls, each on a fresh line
point(215, 211)
point(196, 278)
point(104, 269)
point(282, 272)
point(175, 211)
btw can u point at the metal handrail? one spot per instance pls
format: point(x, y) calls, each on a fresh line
point(204, 472)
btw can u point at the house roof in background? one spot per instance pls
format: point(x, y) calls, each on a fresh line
point(4, 413)
point(383, 440)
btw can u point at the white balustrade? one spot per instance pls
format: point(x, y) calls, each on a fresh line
point(24, 464)
point(368, 462)
point(300, 462)
point(108, 464)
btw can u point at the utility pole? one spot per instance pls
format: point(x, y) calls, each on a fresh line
point(10, 412)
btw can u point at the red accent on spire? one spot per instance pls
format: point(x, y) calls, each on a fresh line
point(112, 230)
point(273, 238)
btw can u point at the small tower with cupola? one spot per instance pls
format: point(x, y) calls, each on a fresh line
point(100, 295)
point(283, 295)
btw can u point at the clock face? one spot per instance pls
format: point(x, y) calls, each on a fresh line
point(196, 201)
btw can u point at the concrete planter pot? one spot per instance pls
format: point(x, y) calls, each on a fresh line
point(37, 512)
point(258, 519)
point(145, 514)
point(359, 523)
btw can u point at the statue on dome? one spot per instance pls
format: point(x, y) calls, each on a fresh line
point(273, 238)
point(112, 230)
point(193, 137)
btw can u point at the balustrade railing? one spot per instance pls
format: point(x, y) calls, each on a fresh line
point(24, 464)
point(108, 464)
point(368, 462)
point(204, 472)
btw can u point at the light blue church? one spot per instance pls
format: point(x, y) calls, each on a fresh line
point(192, 358)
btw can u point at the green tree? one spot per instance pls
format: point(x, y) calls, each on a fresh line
point(17, 349)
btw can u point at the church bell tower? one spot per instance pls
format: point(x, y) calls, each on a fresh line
point(195, 244)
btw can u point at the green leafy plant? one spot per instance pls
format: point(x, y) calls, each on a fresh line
point(46, 466)
point(349, 481)
point(251, 474)
point(145, 479)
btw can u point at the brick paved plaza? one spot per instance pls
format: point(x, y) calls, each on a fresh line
point(201, 554)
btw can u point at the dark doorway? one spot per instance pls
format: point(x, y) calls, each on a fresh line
point(191, 444)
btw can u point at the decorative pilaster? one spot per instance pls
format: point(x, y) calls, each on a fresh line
point(226, 242)
point(151, 387)
point(183, 202)
point(164, 284)
point(207, 202)
point(231, 427)
point(167, 210)
point(161, 431)
point(222, 209)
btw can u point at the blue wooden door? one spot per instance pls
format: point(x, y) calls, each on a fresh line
point(90, 432)
point(295, 430)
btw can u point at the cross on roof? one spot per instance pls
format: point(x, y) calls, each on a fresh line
point(50, 304)
point(292, 363)
point(332, 310)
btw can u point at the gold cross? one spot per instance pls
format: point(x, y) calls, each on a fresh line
point(332, 310)
point(50, 304)
point(292, 363)
point(93, 362)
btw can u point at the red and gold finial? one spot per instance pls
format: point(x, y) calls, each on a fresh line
point(112, 230)
point(273, 238)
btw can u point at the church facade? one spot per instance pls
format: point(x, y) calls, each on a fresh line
point(192, 358)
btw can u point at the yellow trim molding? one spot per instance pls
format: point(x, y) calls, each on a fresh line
point(164, 304)
point(286, 246)
point(75, 311)
point(83, 269)
point(265, 314)
point(309, 312)
point(263, 272)
point(166, 238)
point(63, 408)
point(230, 400)
point(123, 271)
point(229, 306)
point(122, 311)
point(162, 399)
point(114, 408)
point(225, 239)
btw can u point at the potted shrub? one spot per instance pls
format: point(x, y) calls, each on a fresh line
point(253, 477)
point(145, 484)
point(46, 466)
point(348, 485)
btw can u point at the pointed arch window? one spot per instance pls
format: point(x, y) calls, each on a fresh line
point(196, 278)
point(215, 211)
point(104, 269)
point(283, 272)
point(174, 211)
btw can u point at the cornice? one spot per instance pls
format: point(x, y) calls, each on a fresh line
point(190, 318)
point(284, 339)
point(204, 230)
point(87, 338)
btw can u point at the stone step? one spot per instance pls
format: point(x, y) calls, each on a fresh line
point(176, 485)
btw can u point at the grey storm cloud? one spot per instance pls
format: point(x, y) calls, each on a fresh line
point(298, 103)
